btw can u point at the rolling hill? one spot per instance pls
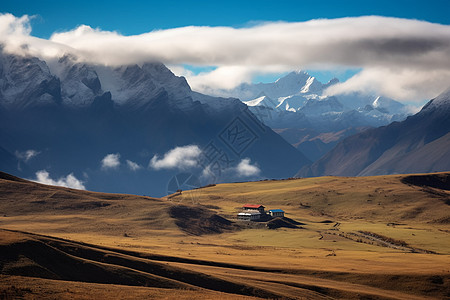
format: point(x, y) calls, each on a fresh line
point(382, 237)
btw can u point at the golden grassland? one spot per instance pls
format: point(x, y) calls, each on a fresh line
point(19, 287)
point(382, 237)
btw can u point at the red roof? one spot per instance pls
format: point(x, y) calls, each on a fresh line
point(252, 206)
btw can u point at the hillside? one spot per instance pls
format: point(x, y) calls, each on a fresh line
point(383, 237)
point(419, 144)
point(378, 199)
point(75, 211)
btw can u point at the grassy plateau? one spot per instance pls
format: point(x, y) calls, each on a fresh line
point(381, 237)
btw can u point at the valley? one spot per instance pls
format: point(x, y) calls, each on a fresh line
point(229, 150)
point(382, 237)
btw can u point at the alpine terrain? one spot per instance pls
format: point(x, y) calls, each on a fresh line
point(421, 143)
point(298, 108)
point(109, 128)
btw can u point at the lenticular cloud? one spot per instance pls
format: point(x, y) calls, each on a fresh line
point(393, 53)
point(361, 41)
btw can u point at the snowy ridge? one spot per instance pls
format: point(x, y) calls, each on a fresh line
point(312, 86)
point(441, 102)
point(76, 116)
point(292, 103)
point(418, 144)
point(26, 81)
point(299, 93)
point(80, 83)
point(29, 82)
point(262, 101)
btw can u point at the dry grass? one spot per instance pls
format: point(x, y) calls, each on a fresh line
point(18, 287)
point(323, 259)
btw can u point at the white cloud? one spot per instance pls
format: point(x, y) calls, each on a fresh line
point(243, 169)
point(133, 166)
point(11, 25)
point(177, 158)
point(206, 173)
point(69, 181)
point(354, 41)
point(246, 169)
point(227, 77)
point(400, 84)
point(111, 161)
point(403, 50)
point(26, 155)
point(15, 38)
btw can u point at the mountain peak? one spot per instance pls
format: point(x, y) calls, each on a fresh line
point(27, 82)
point(441, 102)
point(312, 85)
point(264, 101)
point(67, 58)
point(443, 98)
point(294, 77)
point(331, 82)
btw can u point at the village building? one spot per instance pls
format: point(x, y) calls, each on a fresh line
point(276, 213)
point(256, 212)
point(249, 215)
point(257, 207)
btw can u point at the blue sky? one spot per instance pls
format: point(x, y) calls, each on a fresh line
point(136, 17)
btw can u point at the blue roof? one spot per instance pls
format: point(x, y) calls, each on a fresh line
point(276, 210)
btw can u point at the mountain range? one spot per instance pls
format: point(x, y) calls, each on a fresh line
point(421, 143)
point(113, 128)
point(140, 129)
point(298, 108)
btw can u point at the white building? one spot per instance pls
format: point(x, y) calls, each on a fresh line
point(249, 215)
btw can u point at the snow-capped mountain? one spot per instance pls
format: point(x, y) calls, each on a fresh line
point(130, 86)
point(297, 101)
point(297, 82)
point(419, 144)
point(79, 83)
point(72, 115)
point(299, 91)
point(440, 104)
point(27, 82)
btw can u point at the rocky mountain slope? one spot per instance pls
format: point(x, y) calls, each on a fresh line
point(421, 143)
point(297, 103)
point(69, 116)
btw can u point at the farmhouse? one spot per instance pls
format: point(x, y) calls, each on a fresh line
point(249, 215)
point(256, 212)
point(276, 213)
point(257, 207)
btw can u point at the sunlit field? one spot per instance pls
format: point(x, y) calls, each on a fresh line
point(384, 237)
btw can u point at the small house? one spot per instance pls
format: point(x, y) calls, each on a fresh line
point(249, 215)
point(276, 213)
point(257, 207)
